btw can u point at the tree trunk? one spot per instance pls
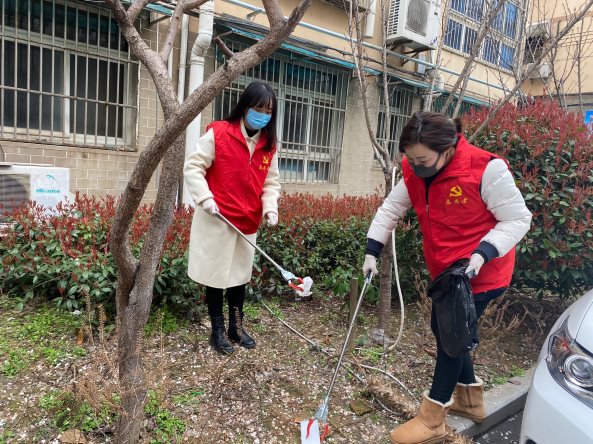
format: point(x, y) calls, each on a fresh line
point(133, 309)
point(385, 275)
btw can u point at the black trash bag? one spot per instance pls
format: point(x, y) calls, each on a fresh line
point(453, 304)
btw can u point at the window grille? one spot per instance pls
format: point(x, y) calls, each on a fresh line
point(66, 75)
point(400, 107)
point(439, 102)
point(311, 112)
point(498, 48)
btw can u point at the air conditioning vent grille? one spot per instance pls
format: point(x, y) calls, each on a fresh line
point(14, 190)
point(393, 17)
point(417, 18)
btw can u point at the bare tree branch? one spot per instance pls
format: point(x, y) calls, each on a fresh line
point(573, 21)
point(172, 31)
point(136, 8)
point(149, 58)
point(427, 106)
point(182, 7)
point(224, 48)
point(274, 13)
point(356, 38)
point(580, 67)
point(188, 5)
point(463, 77)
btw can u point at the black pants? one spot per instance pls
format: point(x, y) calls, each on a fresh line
point(449, 371)
point(214, 298)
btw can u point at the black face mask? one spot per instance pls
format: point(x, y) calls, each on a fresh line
point(426, 171)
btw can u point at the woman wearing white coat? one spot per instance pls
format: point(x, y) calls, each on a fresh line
point(234, 171)
point(468, 206)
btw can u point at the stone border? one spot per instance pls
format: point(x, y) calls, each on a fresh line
point(501, 402)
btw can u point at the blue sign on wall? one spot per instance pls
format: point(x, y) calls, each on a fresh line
point(589, 117)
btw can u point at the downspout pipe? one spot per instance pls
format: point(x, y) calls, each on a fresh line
point(369, 25)
point(182, 59)
point(196, 78)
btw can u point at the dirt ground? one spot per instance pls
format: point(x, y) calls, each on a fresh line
point(251, 396)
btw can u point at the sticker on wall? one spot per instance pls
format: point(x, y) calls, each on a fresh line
point(49, 189)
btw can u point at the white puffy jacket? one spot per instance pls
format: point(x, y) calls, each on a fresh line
point(499, 193)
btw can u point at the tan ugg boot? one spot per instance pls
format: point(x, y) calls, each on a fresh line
point(468, 401)
point(428, 427)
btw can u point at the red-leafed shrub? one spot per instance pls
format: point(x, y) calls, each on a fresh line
point(550, 151)
point(64, 255)
point(299, 206)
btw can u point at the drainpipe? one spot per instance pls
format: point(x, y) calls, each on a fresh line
point(182, 59)
point(369, 26)
point(196, 78)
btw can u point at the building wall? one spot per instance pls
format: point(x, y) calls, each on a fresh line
point(565, 63)
point(100, 171)
point(360, 174)
point(103, 171)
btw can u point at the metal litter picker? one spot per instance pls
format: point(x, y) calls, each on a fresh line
point(301, 286)
point(310, 429)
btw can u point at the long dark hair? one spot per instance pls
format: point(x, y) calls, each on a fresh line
point(435, 130)
point(257, 94)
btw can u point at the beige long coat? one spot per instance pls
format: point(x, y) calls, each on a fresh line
point(218, 256)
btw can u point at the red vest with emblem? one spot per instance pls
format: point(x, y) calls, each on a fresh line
point(237, 179)
point(454, 218)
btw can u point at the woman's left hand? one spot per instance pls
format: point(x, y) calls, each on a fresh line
point(475, 263)
point(272, 219)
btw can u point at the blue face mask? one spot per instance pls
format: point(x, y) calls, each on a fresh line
point(256, 120)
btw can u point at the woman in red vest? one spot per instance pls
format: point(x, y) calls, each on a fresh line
point(468, 206)
point(234, 171)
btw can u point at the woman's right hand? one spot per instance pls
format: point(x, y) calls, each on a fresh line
point(370, 265)
point(209, 206)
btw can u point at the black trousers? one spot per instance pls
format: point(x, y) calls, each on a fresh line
point(214, 298)
point(449, 371)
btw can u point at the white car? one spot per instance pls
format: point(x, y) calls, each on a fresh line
point(559, 408)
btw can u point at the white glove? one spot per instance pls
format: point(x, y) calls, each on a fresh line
point(272, 219)
point(370, 265)
point(209, 206)
point(475, 263)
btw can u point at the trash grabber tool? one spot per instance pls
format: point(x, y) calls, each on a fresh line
point(300, 285)
point(322, 413)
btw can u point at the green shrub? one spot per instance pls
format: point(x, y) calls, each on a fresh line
point(64, 256)
point(550, 151)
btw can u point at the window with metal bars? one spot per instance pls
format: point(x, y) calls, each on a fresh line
point(499, 47)
point(311, 111)
point(400, 108)
point(66, 75)
point(439, 102)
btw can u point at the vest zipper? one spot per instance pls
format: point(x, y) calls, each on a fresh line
point(433, 251)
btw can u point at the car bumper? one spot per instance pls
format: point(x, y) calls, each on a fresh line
point(552, 415)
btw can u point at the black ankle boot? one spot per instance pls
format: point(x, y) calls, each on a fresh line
point(236, 326)
point(218, 340)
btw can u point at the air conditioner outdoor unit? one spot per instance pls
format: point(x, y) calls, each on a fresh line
point(543, 71)
point(46, 185)
point(414, 23)
point(539, 29)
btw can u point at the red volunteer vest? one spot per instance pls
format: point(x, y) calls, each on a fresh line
point(235, 179)
point(454, 218)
